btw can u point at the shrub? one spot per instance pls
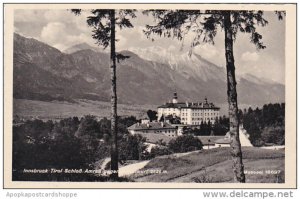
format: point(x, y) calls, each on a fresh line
point(158, 151)
point(203, 178)
point(89, 126)
point(185, 143)
point(132, 147)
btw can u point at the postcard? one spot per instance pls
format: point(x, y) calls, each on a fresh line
point(150, 96)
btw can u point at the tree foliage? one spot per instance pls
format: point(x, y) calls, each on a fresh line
point(265, 125)
point(132, 147)
point(104, 23)
point(205, 24)
point(54, 147)
point(173, 119)
point(70, 143)
point(185, 143)
point(158, 151)
point(152, 115)
point(100, 22)
point(89, 127)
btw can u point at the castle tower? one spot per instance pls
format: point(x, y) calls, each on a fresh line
point(175, 101)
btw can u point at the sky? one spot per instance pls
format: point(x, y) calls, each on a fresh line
point(62, 29)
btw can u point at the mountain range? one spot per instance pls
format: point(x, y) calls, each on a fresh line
point(42, 72)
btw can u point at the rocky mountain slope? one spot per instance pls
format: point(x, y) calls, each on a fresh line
point(44, 73)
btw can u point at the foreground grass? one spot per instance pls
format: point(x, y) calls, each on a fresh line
point(215, 165)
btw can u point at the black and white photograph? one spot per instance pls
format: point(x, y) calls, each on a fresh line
point(162, 94)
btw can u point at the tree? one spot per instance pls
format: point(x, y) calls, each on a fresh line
point(152, 115)
point(173, 119)
point(220, 126)
point(132, 147)
point(104, 22)
point(104, 125)
point(162, 118)
point(255, 133)
point(158, 151)
point(204, 25)
point(88, 127)
point(265, 125)
point(64, 150)
point(185, 143)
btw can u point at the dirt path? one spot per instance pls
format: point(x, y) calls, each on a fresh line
point(126, 170)
point(104, 163)
point(177, 155)
point(132, 168)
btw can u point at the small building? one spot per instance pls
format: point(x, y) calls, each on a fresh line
point(153, 127)
point(145, 121)
point(155, 133)
point(223, 142)
point(209, 142)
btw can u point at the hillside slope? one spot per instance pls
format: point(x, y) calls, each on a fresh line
point(44, 73)
point(214, 166)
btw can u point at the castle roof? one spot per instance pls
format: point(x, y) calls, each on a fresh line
point(156, 137)
point(190, 105)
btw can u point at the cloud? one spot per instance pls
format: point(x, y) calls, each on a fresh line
point(206, 50)
point(58, 27)
point(23, 15)
point(250, 56)
point(211, 53)
point(121, 43)
point(60, 46)
point(68, 18)
point(53, 32)
point(56, 34)
point(132, 37)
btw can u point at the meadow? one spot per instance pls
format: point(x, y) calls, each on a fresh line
point(215, 166)
point(56, 110)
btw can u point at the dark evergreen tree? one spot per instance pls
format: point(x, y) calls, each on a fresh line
point(220, 127)
point(205, 24)
point(162, 118)
point(104, 23)
point(152, 115)
point(265, 125)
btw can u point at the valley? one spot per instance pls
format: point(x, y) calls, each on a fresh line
point(56, 110)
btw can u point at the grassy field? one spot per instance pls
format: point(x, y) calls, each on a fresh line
point(57, 109)
point(61, 109)
point(215, 165)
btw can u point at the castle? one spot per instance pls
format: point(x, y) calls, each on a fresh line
point(190, 113)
